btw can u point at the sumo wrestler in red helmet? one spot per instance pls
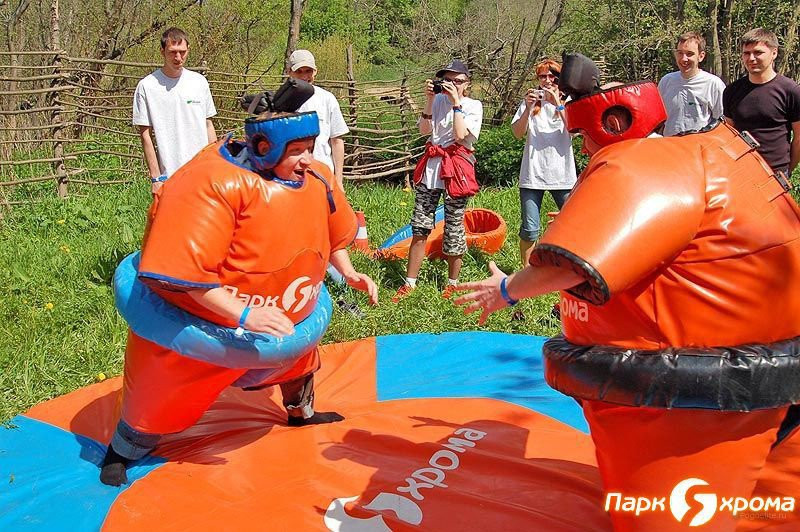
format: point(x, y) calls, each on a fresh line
point(677, 260)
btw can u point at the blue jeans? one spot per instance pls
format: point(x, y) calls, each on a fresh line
point(530, 201)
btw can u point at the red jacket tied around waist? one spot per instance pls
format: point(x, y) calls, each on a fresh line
point(457, 169)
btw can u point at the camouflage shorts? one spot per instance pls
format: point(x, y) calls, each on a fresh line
point(422, 220)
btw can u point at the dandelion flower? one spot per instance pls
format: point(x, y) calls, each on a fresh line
point(48, 306)
point(65, 249)
point(100, 377)
point(61, 222)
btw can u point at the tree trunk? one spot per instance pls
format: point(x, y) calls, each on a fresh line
point(789, 49)
point(713, 48)
point(294, 31)
point(680, 7)
point(730, 51)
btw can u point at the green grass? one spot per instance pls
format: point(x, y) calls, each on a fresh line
point(59, 328)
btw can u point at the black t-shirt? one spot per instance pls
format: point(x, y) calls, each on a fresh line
point(767, 111)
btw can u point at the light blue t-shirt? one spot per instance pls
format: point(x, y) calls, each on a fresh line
point(691, 103)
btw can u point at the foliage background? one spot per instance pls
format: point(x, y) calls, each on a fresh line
point(501, 39)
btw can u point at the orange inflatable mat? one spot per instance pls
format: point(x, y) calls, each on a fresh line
point(413, 453)
point(486, 230)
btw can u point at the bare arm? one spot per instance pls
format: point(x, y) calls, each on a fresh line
point(520, 126)
point(531, 281)
point(341, 261)
point(337, 151)
point(210, 131)
point(795, 149)
point(460, 130)
point(150, 157)
point(425, 124)
point(270, 320)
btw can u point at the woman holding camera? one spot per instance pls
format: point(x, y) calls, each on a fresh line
point(447, 167)
point(547, 162)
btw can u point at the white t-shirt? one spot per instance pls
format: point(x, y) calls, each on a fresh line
point(443, 135)
point(547, 161)
point(331, 123)
point(176, 109)
point(691, 103)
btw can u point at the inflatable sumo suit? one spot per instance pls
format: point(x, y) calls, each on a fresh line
point(682, 341)
point(219, 224)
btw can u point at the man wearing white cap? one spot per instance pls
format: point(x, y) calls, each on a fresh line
point(329, 146)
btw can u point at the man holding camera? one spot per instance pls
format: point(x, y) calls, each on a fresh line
point(548, 163)
point(453, 121)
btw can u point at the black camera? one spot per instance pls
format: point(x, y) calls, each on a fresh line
point(437, 86)
point(288, 98)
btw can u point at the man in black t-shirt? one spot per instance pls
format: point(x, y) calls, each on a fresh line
point(765, 103)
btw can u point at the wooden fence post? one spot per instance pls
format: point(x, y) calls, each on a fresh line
point(404, 108)
point(59, 167)
point(352, 105)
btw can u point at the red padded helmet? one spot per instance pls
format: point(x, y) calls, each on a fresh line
point(640, 100)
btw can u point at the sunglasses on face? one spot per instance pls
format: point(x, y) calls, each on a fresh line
point(546, 76)
point(457, 81)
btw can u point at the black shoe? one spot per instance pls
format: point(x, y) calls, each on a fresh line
point(113, 469)
point(352, 308)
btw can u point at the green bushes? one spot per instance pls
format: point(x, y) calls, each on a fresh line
point(499, 156)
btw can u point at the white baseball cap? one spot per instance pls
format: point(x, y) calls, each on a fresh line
point(300, 59)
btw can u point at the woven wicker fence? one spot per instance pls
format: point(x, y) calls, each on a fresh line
point(65, 122)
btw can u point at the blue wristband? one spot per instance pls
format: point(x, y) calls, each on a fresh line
point(459, 110)
point(504, 292)
point(243, 317)
point(561, 107)
point(159, 179)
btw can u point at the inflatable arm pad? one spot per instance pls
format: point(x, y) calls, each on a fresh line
point(156, 320)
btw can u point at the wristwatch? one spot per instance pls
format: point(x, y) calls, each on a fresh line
point(458, 109)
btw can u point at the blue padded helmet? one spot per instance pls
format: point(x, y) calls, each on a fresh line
point(267, 137)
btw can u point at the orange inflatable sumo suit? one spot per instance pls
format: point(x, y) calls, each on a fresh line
point(682, 342)
point(217, 224)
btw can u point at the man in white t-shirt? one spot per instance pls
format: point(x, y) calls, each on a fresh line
point(175, 105)
point(692, 96)
point(329, 146)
